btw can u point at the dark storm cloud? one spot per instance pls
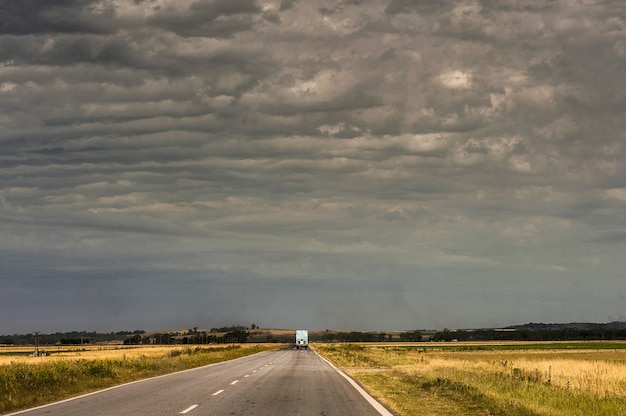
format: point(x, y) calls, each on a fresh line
point(217, 18)
point(63, 16)
point(333, 154)
point(128, 51)
point(69, 50)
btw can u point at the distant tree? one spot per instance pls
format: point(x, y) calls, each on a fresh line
point(328, 337)
point(413, 336)
point(236, 336)
point(133, 340)
point(446, 335)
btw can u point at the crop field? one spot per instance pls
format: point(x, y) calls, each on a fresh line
point(556, 379)
point(84, 352)
point(27, 381)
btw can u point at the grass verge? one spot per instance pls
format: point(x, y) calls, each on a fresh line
point(24, 385)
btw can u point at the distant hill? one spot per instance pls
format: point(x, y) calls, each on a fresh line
point(572, 325)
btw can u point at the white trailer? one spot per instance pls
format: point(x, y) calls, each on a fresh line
point(302, 339)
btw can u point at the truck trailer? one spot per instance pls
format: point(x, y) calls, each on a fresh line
point(302, 339)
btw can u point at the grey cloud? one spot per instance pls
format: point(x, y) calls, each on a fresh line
point(120, 52)
point(410, 6)
point(613, 237)
point(213, 18)
point(63, 16)
point(333, 154)
point(287, 4)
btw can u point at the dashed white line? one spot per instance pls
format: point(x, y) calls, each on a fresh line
point(189, 409)
point(247, 375)
point(218, 392)
point(234, 382)
point(254, 371)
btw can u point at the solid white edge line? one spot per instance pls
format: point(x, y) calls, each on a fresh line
point(379, 407)
point(124, 385)
point(189, 409)
point(218, 392)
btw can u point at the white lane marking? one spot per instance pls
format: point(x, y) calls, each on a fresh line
point(218, 392)
point(247, 375)
point(254, 371)
point(93, 393)
point(379, 407)
point(234, 382)
point(189, 409)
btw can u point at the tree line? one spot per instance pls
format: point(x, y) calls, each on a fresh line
point(355, 336)
point(239, 334)
point(564, 334)
point(191, 337)
point(67, 338)
point(220, 335)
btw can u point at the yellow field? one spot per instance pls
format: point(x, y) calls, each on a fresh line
point(598, 372)
point(92, 352)
point(479, 379)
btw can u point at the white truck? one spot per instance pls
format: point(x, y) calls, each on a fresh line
point(302, 339)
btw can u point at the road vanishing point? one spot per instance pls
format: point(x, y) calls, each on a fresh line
point(284, 382)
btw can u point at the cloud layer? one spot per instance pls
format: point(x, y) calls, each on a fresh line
point(356, 164)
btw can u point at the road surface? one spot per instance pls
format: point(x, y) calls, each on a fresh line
point(285, 382)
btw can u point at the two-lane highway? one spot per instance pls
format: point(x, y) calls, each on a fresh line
point(286, 382)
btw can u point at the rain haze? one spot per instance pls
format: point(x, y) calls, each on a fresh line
point(356, 164)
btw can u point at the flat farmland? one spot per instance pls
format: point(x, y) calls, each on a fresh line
point(530, 379)
point(83, 352)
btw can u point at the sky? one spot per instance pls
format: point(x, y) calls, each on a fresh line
point(354, 165)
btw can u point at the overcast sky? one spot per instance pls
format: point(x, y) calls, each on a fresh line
point(355, 165)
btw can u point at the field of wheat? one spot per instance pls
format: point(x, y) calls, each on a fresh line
point(84, 352)
point(487, 379)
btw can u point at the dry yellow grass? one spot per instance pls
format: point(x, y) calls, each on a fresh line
point(480, 379)
point(600, 372)
point(92, 352)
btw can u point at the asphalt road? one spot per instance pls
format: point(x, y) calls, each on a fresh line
point(286, 382)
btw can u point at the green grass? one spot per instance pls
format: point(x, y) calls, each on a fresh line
point(24, 385)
